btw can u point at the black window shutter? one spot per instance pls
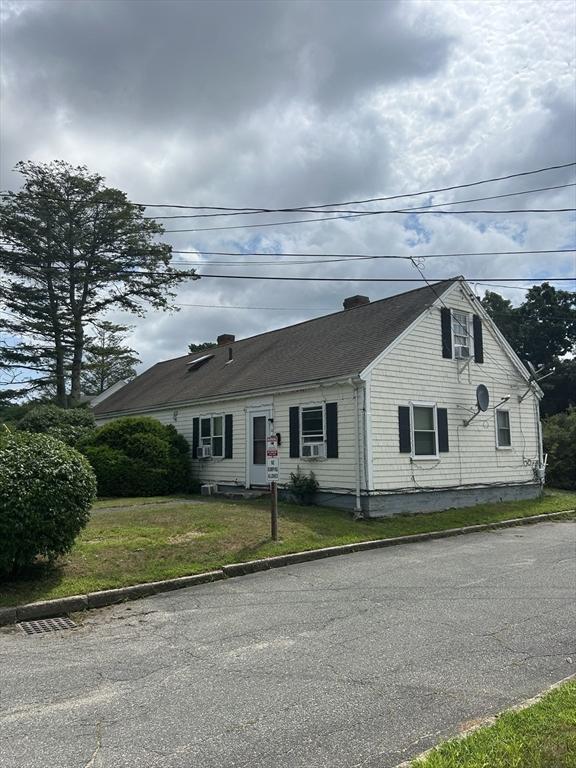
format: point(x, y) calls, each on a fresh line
point(195, 436)
point(442, 414)
point(332, 430)
point(404, 428)
point(478, 341)
point(294, 432)
point(228, 436)
point(446, 320)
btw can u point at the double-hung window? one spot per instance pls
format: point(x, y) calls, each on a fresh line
point(211, 434)
point(424, 430)
point(503, 433)
point(312, 424)
point(462, 334)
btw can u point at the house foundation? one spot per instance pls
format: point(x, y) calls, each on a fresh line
point(417, 502)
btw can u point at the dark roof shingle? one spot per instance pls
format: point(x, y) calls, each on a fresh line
point(335, 345)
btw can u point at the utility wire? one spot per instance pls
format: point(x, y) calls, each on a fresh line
point(370, 213)
point(193, 274)
point(325, 258)
point(353, 216)
point(332, 205)
point(377, 256)
point(379, 279)
point(303, 309)
point(332, 258)
point(421, 210)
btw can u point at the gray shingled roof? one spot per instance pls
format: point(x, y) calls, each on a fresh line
point(341, 344)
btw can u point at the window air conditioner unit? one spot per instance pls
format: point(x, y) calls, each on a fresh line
point(461, 352)
point(314, 450)
point(204, 452)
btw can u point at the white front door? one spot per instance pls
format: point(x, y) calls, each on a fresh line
point(258, 429)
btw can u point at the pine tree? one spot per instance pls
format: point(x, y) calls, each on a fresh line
point(108, 360)
point(71, 249)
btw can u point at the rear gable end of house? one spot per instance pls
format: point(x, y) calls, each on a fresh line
point(422, 395)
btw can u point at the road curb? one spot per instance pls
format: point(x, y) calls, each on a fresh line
point(48, 608)
point(485, 722)
point(61, 605)
point(279, 561)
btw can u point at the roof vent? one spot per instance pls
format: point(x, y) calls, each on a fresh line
point(355, 301)
point(225, 338)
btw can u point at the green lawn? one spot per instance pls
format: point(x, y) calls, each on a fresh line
point(541, 736)
point(128, 541)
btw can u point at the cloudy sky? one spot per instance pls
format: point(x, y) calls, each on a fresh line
point(277, 104)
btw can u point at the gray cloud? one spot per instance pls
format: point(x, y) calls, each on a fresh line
point(201, 63)
point(280, 103)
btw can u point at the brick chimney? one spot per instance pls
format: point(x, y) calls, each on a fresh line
point(225, 338)
point(355, 301)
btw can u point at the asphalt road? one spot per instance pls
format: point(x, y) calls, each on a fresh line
point(359, 660)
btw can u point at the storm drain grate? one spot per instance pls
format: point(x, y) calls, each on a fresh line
point(41, 626)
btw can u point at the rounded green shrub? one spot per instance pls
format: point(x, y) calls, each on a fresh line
point(46, 491)
point(114, 470)
point(71, 425)
point(138, 456)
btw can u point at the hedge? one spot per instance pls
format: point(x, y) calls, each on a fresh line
point(138, 456)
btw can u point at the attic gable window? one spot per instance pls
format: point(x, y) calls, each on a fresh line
point(462, 334)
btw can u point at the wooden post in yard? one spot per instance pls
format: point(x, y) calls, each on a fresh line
point(274, 509)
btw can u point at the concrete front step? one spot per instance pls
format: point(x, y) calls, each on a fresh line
point(243, 494)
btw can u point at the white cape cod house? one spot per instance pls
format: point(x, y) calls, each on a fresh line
point(380, 400)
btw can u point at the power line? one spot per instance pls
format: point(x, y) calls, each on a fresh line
point(305, 209)
point(379, 256)
point(319, 258)
point(197, 276)
point(379, 279)
point(290, 209)
point(406, 212)
point(235, 306)
point(515, 287)
point(446, 189)
point(358, 216)
point(302, 309)
point(328, 257)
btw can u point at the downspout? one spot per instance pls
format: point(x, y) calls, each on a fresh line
point(358, 508)
point(541, 461)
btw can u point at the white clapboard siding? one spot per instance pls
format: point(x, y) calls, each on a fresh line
point(414, 370)
point(337, 473)
point(332, 474)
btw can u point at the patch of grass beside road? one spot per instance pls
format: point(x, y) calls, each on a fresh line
point(541, 736)
point(129, 541)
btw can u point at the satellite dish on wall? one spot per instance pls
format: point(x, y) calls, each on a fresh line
point(482, 397)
